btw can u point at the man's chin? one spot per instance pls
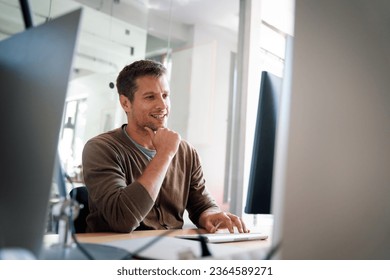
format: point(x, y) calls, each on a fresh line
point(155, 127)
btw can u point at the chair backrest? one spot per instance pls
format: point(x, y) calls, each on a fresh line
point(80, 194)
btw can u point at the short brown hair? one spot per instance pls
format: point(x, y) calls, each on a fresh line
point(126, 81)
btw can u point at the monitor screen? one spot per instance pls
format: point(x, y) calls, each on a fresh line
point(259, 194)
point(34, 70)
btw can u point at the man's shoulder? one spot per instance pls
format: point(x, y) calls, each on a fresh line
point(184, 144)
point(111, 140)
point(109, 136)
point(186, 149)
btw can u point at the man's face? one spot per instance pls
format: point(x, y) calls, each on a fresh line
point(151, 103)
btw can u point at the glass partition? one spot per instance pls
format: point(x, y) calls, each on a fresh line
point(194, 39)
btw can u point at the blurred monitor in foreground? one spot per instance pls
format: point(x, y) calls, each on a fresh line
point(34, 69)
point(336, 182)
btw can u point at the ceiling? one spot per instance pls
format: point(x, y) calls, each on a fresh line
point(166, 22)
point(169, 22)
point(222, 13)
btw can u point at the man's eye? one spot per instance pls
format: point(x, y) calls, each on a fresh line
point(149, 97)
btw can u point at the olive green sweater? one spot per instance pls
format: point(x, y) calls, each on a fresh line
point(117, 202)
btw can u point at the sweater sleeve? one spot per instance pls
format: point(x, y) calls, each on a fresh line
point(200, 198)
point(114, 204)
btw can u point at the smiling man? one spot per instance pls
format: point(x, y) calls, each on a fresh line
point(143, 175)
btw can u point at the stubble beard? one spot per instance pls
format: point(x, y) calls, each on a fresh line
point(153, 126)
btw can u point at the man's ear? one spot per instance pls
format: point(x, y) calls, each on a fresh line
point(125, 102)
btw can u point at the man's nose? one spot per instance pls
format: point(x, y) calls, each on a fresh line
point(161, 102)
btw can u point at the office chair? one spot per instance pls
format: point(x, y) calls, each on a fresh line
point(80, 194)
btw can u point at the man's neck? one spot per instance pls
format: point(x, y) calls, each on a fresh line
point(140, 136)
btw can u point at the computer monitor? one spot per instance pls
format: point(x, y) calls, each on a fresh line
point(259, 195)
point(34, 70)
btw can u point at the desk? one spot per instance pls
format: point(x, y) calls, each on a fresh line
point(259, 247)
point(103, 237)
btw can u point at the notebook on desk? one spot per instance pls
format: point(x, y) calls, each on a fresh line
point(225, 237)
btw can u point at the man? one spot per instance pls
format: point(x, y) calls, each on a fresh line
point(143, 175)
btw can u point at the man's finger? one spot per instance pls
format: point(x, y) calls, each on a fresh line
point(151, 132)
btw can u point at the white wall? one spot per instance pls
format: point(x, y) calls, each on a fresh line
point(337, 179)
point(200, 95)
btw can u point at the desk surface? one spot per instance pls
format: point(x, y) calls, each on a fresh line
point(170, 246)
point(103, 237)
point(260, 245)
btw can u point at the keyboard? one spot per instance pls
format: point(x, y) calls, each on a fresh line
point(225, 237)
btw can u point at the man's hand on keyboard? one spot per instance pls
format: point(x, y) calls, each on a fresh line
point(212, 221)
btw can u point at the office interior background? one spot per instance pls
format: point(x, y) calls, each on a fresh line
point(202, 44)
point(332, 157)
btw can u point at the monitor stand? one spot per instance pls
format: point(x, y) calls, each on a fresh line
point(68, 248)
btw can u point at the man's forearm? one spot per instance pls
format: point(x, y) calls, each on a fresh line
point(154, 174)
